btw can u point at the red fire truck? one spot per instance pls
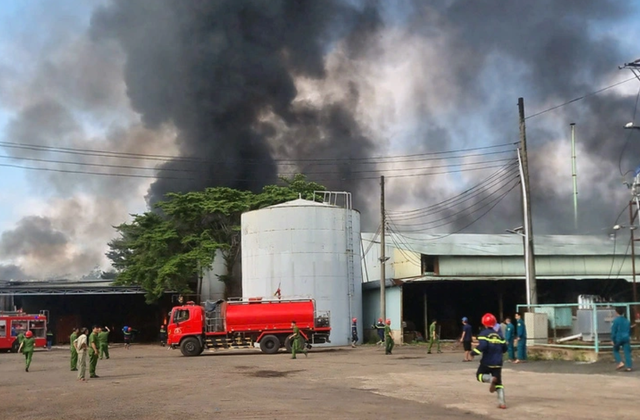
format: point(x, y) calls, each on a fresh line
point(13, 324)
point(243, 323)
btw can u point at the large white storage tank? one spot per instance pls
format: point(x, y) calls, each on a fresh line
point(306, 249)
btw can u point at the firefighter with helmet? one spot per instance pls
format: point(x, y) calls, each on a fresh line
point(388, 339)
point(379, 326)
point(27, 347)
point(354, 332)
point(491, 346)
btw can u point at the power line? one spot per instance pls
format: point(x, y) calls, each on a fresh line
point(613, 258)
point(457, 200)
point(428, 225)
point(626, 142)
point(496, 202)
point(579, 98)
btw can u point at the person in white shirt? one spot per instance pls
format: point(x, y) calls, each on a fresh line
point(81, 347)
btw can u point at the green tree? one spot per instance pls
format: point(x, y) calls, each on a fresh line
point(170, 249)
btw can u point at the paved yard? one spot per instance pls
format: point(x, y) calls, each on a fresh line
point(148, 382)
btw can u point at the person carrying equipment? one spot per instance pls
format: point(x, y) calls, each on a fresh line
point(380, 329)
point(126, 331)
point(27, 347)
point(491, 346)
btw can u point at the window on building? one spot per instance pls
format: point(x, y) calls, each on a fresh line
point(429, 264)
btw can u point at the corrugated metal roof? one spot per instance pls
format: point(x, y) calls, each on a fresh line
point(502, 244)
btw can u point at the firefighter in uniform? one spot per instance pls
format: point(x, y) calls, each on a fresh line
point(388, 339)
point(49, 338)
point(510, 336)
point(354, 332)
point(296, 342)
point(521, 339)
point(491, 345)
point(163, 336)
point(27, 347)
point(380, 330)
point(103, 341)
point(74, 352)
point(93, 351)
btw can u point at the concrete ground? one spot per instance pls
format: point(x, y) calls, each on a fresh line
point(149, 382)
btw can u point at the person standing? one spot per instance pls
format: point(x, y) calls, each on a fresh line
point(80, 345)
point(465, 339)
point(296, 341)
point(509, 337)
point(521, 339)
point(434, 336)
point(72, 348)
point(491, 346)
point(621, 338)
point(388, 338)
point(27, 347)
point(49, 338)
point(163, 336)
point(126, 331)
point(93, 351)
point(354, 332)
point(103, 341)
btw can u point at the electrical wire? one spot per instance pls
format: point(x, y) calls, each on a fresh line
point(457, 200)
point(579, 98)
point(495, 203)
point(430, 225)
point(613, 258)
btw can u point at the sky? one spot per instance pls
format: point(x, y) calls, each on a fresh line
point(244, 91)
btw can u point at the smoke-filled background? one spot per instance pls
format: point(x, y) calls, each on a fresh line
point(205, 93)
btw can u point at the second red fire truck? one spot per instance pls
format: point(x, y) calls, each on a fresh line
point(243, 323)
point(12, 324)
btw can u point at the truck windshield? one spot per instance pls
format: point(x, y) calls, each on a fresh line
point(180, 315)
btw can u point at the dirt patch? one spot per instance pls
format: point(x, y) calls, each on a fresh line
point(272, 373)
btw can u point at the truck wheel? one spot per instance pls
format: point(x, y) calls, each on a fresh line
point(190, 346)
point(270, 344)
point(15, 346)
point(288, 343)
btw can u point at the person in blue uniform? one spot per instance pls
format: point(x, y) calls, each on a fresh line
point(621, 338)
point(379, 326)
point(521, 339)
point(491, 346)
point(509, 337)
point(354, 332)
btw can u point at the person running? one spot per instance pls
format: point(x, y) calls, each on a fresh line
point(72, 348)
point(521, 339)
point(510, 336)
point(465, 339)
point(491, 346)
point(434, 336)
point(297, 344)
point(93, 351)
point(103, 342)
point(388, 338)
point(80, 345)
point(27, 347)
point(126, 331)
point(354, 332)
point(380, 330)
point(621, 338)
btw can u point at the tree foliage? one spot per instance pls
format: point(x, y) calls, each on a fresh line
point(170, 248)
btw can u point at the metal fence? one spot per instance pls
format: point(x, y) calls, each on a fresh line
point(581, 325)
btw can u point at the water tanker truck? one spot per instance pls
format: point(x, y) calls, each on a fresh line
point(245, 324)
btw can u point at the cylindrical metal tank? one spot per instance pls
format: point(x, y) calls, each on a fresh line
point(306, 249)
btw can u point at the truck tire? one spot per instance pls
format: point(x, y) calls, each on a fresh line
point(288, 343)
point(190, 346)
point(270, 344)
point(15, 346)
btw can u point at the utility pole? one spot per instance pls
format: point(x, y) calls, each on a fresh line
point(574, 175)
point(383, 258)
point(632, 218)
point(533, 289)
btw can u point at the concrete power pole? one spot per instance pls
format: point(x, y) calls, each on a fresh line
point(383, 259)
point(533, 288)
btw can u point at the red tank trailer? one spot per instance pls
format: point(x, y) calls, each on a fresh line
point(243, 323)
